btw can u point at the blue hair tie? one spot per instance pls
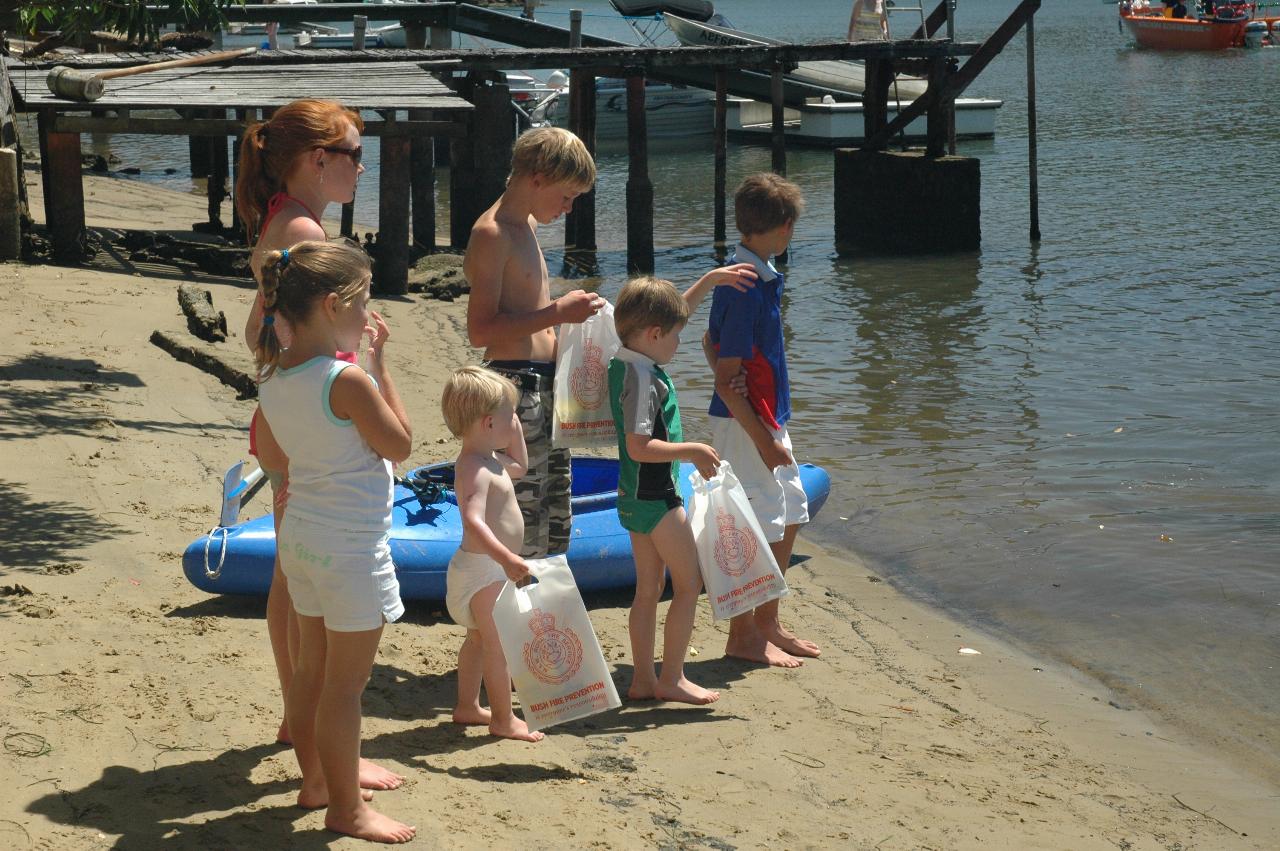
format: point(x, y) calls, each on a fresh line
point(284, 259)
point(268, 320)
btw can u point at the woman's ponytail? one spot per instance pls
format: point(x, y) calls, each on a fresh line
point(254, 186)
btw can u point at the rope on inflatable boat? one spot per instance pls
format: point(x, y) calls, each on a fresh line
point(214, 573)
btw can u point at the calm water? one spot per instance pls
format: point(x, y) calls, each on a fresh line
point(1072, 443)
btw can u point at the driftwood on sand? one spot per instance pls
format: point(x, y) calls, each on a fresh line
point(202, 319)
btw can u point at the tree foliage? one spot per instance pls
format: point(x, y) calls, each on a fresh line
point(136, 19)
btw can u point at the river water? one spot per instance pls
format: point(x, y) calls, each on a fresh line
point(1074, 443)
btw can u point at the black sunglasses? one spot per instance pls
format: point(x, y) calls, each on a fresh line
point(355, 153)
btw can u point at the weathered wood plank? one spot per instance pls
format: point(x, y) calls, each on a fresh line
point(63, 191)
point(391, 273)
point(232, 127)
point(639, 187)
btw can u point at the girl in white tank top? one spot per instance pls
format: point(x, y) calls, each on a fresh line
point(342, 428)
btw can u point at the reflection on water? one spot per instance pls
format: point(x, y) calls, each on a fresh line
point(1073, 443)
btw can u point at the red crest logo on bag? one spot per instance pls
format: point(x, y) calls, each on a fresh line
point(587, 382)
point(735, 548)
point(555, 655)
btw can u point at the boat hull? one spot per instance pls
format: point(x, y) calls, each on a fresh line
point(424, 537)
point(669, 111)
point(1159, 33)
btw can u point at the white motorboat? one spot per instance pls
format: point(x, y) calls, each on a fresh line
point(669, 110)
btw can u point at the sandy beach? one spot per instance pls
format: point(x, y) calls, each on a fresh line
point(139, 712)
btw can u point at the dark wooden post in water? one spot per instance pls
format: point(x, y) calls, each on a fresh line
point(778, 138)
point(875, 97)
point(481, 160)
point(219, 170)
point(391, 271)
point(580, 223)
point(422, 185)
point(63, 191)
point(940, 114)
point(1031, 129)
point(639, 188)
point(722, 159)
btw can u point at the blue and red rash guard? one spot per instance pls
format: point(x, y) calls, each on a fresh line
point(748, 325)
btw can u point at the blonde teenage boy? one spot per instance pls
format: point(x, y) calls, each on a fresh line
point(511, 315)
point(479, 406)
point(649, 317)
point(750, 432)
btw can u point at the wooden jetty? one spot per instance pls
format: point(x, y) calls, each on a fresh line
point(479, 117)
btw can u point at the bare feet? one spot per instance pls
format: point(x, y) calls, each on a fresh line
point(317, 797)
point(374, 776)
point(642, 691)
point(784, 640)
point(686, 692)
point(282, 735)
point(368, 823)
point(472, 716)
point(516, 729)
point(756, 649)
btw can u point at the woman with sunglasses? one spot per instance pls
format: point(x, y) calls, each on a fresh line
point(292, 167)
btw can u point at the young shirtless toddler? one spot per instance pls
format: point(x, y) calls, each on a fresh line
point(480, 407)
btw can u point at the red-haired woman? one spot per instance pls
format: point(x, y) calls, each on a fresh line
point(292, 167)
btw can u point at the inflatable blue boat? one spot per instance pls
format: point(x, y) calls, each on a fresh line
point(426, 529)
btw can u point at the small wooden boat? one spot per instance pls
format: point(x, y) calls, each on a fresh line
point(1152, 30)
point(426, 530)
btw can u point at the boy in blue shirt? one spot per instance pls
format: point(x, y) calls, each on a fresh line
point(750, 432)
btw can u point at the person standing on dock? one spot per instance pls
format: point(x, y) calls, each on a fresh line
point(292, 167)
point(512, 316)
point(869, 21)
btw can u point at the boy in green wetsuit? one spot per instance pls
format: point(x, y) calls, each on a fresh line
point(649, 317)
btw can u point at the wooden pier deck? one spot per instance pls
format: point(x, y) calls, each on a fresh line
point(414, 106)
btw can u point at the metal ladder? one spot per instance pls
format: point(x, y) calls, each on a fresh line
point(891, 6)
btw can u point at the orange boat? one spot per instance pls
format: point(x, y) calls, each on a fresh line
point(1224, 29)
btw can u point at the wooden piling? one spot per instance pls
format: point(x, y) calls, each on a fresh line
point(63, 190)
point(480, 160)
point(940, 114)
point(392, 269)
point(639, 187)
point(422, 186)
point(580, 223)
point(778, 138)
point(219, 170)
point(875, 97)
point(10, 206)
point(1034, 175)
point(721, 156)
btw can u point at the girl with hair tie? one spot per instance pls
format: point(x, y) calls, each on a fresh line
point(305, 157)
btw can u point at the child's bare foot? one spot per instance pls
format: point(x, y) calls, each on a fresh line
point(756, 649)
point(472, 716)
point(516, 729)
point(317, 797)
point(642, 691)
point(368, 823)
point(374, 776)
point(686, 692)
point(787, 642)
point(282, 735)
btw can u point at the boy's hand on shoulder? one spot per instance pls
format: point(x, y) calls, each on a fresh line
point(578, 306)
point(775, 455)
point(704, 458)
point(740, 276)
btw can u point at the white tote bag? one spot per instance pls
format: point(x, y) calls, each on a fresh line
point(555, 660)
point(582, 415)
point(738, 568)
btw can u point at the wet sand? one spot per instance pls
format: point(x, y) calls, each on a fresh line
point(139, 712)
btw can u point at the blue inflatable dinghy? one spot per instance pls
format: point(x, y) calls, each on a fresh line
point(426, 530)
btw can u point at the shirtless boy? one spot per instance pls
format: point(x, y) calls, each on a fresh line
point(511, 315)
point(480, 407)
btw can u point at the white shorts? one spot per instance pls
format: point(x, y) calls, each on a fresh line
point(469, 574)
point(776, 496)
point(345, 577)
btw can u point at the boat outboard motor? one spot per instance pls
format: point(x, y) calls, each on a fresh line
point(1254, 32)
